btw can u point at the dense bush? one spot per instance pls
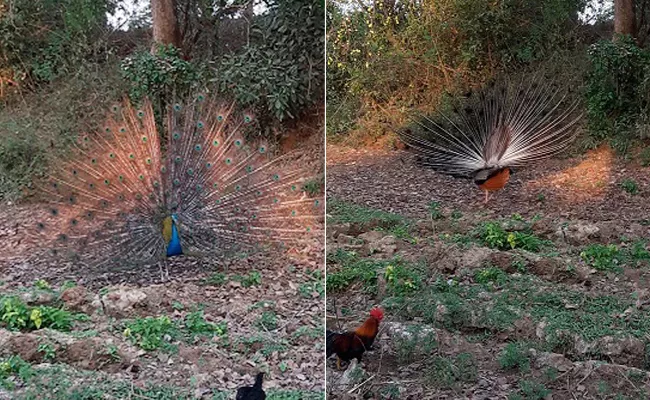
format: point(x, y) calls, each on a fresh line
point(616, 87)
point(281, 72)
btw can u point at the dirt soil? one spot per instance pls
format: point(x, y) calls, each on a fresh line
point(460, 307)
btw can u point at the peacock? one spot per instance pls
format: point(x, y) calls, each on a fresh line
point(487, 133)
point(207, 185)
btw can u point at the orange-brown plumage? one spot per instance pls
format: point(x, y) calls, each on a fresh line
point(352, 344)
point(495, 181)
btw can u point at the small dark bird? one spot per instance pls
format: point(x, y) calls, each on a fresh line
point(254, 392)
point(352, 344)
point(507, 125)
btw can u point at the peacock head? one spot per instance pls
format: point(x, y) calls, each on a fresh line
point(174, 218)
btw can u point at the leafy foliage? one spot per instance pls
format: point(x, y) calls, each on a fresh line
point(616, 87)
point(281, 72)
point(16, 315)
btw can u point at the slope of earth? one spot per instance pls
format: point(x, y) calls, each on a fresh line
point(542, 293)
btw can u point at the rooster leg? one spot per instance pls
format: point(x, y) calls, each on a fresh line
point(487, 196)
point(338, 363)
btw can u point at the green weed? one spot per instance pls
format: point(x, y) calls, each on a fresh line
point(630, 186)
point(515, 356)
point(151, 333)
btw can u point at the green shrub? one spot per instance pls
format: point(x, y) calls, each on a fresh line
point(630, 186)
point(514, 356)
point(16, 315)
point(151, 333)
point(602, 257)
point(615, 87)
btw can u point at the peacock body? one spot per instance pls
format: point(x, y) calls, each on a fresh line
point(488, 133)
point(126, 197)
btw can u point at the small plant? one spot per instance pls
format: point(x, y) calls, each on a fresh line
point(113, 352)
point(16, 315)
point(268, 321)
point(493, 235)
point(492, 275)
point(541, 197)
point(602, 257)
point(48, 350)
point(316, 287)
point(434, 211)
point(252, 279)
point(402, 280)
point(456, 215)
point(42, 284)
point(630, 186)
point(514, 356)
point(150, 333)
point(14, 366)
point(196, 324)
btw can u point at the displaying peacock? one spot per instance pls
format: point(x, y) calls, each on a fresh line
point(507, 124)
point(129, 195)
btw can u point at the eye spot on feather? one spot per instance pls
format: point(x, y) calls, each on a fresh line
point(90, 215)
point(176, 136)
point(276, 177)
point(140, 114)
point(144, 139)
point(93, 161)
point(262, 149)
point(111, 156)
point(40, 226)
point(74, 222)
point(293, 213)
point(238, 142)
point(208, 165)
point(54, 212)
point(308, 229)
point(254, 216)
point(258, 193)
point(200, 125)
point(141, 177)
point(138, 196)
point(190, 171)
point(107, 130)
point(215, 185)
point(276, 201)
point(220, 118)
point(104, 204)
point(121, 178)
point(237, 188)
point(156, 184)
point(163, 169)
point(248, 118)
point(316, 203)
point(249, 168)
point(120, 197)
point(177, 107)
point(63, 237)
point(122, 130)
point(115, 109)
point(74, 173)
point(228, 161)
point(131, 156)
point(199, 188)
point(215, 143)
point(91, 185)
point(197, 147)
point(293, 188)
point(200, 98)
point(107, 182)
point(177, 182)
point(217, 201)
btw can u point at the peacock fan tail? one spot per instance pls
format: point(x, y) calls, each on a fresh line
point(510, 123)
point(125, 199)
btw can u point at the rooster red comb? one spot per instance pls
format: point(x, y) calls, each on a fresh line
point(377, 313)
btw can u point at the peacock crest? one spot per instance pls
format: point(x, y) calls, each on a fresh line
point(130, 195)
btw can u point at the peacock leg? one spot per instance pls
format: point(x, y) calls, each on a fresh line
point(164, 269)
point(487, 196)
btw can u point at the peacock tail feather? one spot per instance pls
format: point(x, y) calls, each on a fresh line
point(507, 124)
point(124, 197)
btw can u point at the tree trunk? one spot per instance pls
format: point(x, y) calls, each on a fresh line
point(624, 18)
point(165, 23)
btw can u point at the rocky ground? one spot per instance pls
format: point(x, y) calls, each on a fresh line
point(543, 293)
point(201, 331)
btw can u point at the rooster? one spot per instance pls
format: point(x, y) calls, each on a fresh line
point(503, 126)
point(352, 344)
point(254, 392)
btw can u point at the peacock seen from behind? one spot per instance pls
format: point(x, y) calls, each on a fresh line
point(505, 125)
point(127, 197)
